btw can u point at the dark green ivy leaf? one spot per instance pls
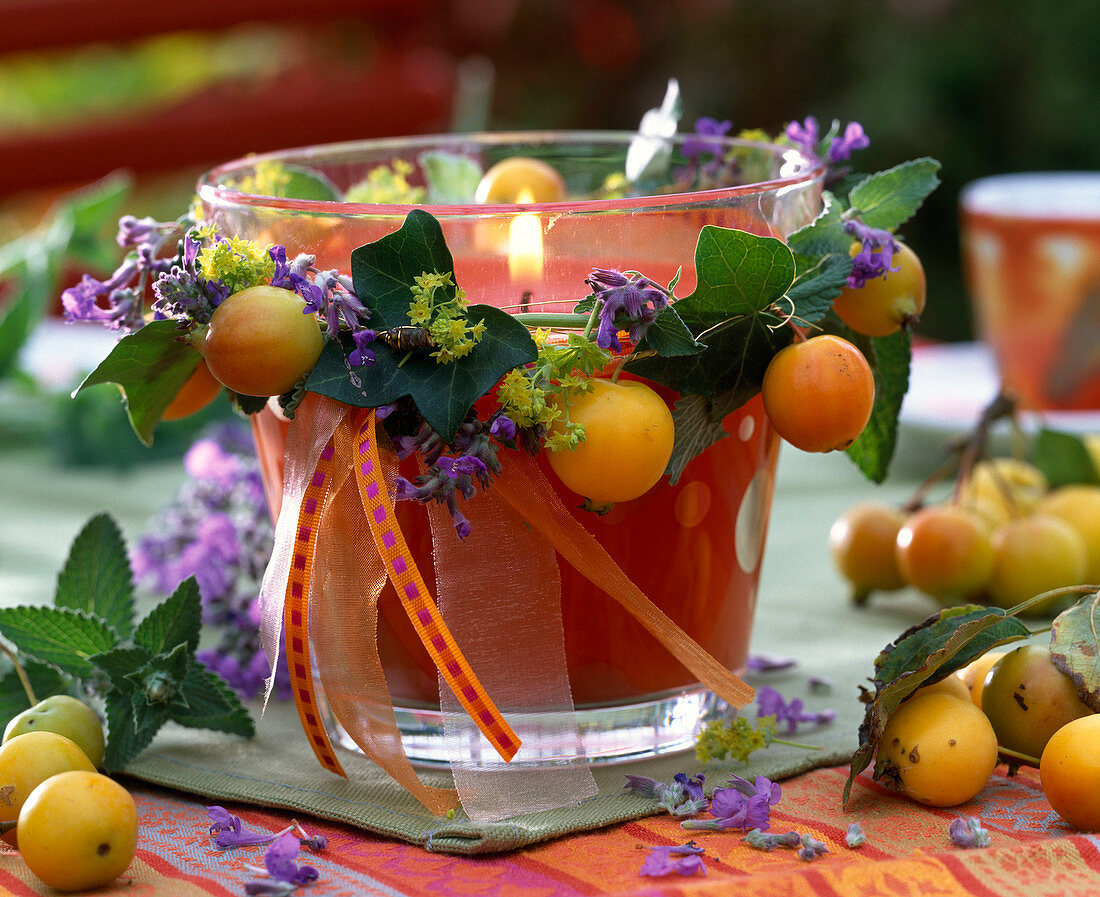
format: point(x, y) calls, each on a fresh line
point(149, 366)
point(96, 577)
point(698, 425)
point(668, 335)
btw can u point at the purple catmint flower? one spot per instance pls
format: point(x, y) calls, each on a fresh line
point(769, 702)
point(769, 663)
point(229, 832)
point(684, 859)
point(875, 255)
point(279, 861)
point(362, 353)
point(805, 136)
point(968, 832)
point(761, 840)
point(624, 303)
point(811, 848)
point(703, 140)
point(842, 147)
point(503, 428)
point(745, 804)
point(854, 837)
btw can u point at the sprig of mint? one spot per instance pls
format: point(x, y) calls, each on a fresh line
point(147, 674)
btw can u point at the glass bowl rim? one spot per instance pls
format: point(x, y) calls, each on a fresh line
point(210, 190)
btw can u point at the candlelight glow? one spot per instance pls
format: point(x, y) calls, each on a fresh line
point(525, 245)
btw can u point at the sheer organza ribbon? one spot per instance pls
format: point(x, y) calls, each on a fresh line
point(337, 544)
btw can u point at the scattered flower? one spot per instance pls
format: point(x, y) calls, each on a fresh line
point(279, 861)
point(820, 684)
point(761, 840)
point(769, 663)
point(811, 848)
point(229, 832)
point(855, 837)
point(744, 805)
point(968, 832)
point(682, 796)
point(769, 702)
point(685, 859)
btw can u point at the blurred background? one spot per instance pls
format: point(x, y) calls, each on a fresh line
point(162, 91)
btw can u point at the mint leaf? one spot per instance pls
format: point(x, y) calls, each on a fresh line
point(22, 310)
point(89, 221)
point(889, 357)
point(1063, 458)
point(698, 425)
point(120, 661)
point(149, 366)
point(890, 198)
point(451, 178)
point(175, 621)
point(61, 637)
point(129, 731)
point(157, 682)
point(823, 236)
point(206, 702)
point(96, 577)
point(815, 288)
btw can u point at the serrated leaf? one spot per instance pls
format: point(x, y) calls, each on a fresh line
point(1063, 458)
point(119, 662)
point(149, 366)
point(61, 637)
point(889, 198)
point(698, 425)
point(944, 642)
point(890, 358)
point(45, 681)
point(176, 620)
point(206, 702)
point(159, 680)
point(130, 728)
point(814, 289)
point(669, 336)
point(823, 236)
point(739, 279)
point(96, 577)
point(450, 178)
point(1075, 648)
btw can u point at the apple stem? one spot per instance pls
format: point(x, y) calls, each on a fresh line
point(21, 673)
point(8, 825)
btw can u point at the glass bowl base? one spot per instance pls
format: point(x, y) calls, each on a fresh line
point(610, 734)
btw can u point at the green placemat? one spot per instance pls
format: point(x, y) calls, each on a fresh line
point(278, 769)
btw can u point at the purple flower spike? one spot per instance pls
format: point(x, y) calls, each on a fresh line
point(624, 303)
point(228, 831)
point(703, 141)
point(770, 702)
point(685, 859)
point(854, 139)
point(769, 663)
point(968, 832)
point(279, 861)
point(805, 136)
point(875, 255)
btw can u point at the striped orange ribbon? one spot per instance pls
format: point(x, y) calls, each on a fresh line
point(415, 597)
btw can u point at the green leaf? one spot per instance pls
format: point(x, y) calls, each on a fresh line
point(120, 662)
point(698, 425)
point(96, 577)
point(451, 178)
point(1075, 648)
point(149, 366)
point(24, 308)
point(823, 236)
point(668, 335)
point(944, 642)
point(443, 393)
point(1063, 458)
point(131, 726)
point(175, 621)
point(159, 680)
point(206, 702)
point(45, 681)
point(87, 220)
point(309, 184)
point(383, 272)
point(890, 198)
point(814, 289)
point(59, 636)
point(740, 278)
point(890, 358)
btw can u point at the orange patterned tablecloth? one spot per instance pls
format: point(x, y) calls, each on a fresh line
point(907, 852)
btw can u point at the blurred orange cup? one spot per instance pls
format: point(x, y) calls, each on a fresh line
point(1031, 254)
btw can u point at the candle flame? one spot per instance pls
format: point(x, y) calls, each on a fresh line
point(525, 245)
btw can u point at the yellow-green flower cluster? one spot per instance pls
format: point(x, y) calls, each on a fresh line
point(268, 178)
point(236, 262)
point(440, 306)
point(386, 184)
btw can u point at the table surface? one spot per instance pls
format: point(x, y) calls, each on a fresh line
point(803, 612)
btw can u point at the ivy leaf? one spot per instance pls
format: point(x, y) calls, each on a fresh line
point(59, 636)
point(129, 731)
point(206, 702)
point(668, 335)
point(149, 366)
point(1075, 648)
point(1064, 458)
point(890, 198)
point(96, 577)
point(739, 279)
point(698, 425)
point(451, 178)
point(890, 358)
point(45, 681)
point(175, 621)
point(944, 642)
